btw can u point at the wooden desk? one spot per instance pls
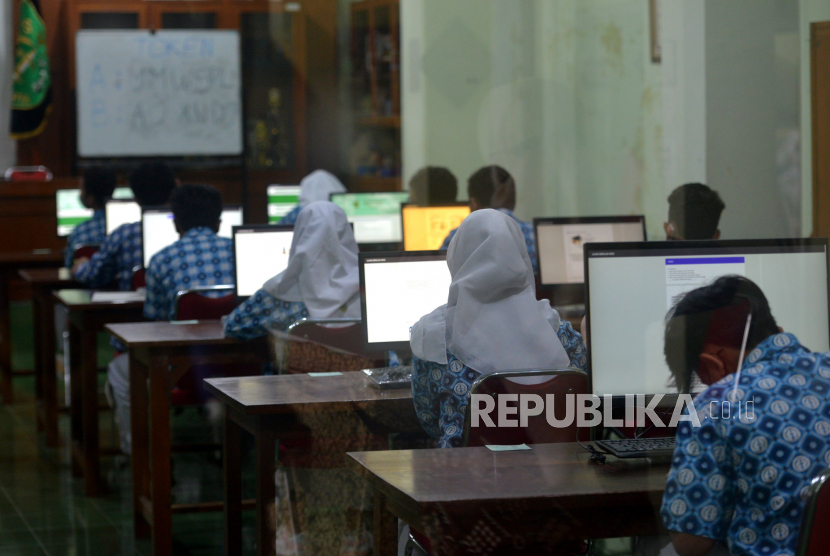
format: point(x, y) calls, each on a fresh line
point(265, 406)
point(10, 264)
point(430, 489)
point(86, 319)
point(161, 352)
point(43, 282)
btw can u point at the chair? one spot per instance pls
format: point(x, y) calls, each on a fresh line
point(85, 250)
point(28, 173)
point(312, 345)
point(138, 278)
point(815, 541)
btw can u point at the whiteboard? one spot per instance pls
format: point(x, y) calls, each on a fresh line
point(169, 93)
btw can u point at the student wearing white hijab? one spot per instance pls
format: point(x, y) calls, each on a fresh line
point(492, 322)
point(317, 186)
point(321, 280)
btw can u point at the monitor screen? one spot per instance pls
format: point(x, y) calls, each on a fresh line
point(426, 228)
point(260, 253)
point(71, 211)
point(376, 217)
point(281, 200)
point(397, 289)
point(158, 229)
point(631, 287)
point(119, 212)
point(559, 243)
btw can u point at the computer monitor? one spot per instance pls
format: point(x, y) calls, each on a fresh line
point(426, 228)
point(396, 290)
point(121, 211)
point(158, 229)
point(559, 243)
point(376, 216)
point(71, 211)
point(281, 200)
point(260, 252)
point(632, 286)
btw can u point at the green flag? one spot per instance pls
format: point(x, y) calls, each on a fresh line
point(32, 82)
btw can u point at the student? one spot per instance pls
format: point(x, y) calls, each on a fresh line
point(433, 186)
point(694, 213)
point(321, 280)
point(491, 322)
point(739, 478)
point(97, 186)
point(494, 187)
point(317, 186)
point(152, 184)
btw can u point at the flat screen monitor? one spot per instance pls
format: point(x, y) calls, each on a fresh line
point(281, 200)
point(71, 211)
point(397, 289)
point(158, 229)
point(118, 212)
point(426, 228)
point(632, 286)
point(376, 217)
point(260, 252)
point(559, 243)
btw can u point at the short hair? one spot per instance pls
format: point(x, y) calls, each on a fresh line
point(196, 205)
point(485, 181)
point(695, 211)
point(100, 183)
point(152, 183)
point(433, 185)
point(714, 314)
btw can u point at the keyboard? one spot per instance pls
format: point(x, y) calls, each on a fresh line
point(638, 447)
point(388, 378)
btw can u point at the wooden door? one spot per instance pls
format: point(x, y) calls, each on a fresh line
point(820, 80)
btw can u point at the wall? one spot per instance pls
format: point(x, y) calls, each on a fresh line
point(8, 151)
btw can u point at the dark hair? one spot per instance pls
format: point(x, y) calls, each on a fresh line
point(695, 211)
point(716, 314)
point(196, 205)
point(433, 185)
point(486, 181)
point(100, 183)
point(152, 183)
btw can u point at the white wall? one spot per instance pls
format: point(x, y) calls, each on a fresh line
point(8, 148)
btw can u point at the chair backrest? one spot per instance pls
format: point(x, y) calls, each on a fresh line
point(197, 303)
point(538, 431)
point(138, 279)
point(814, 537)
point(85, 250)
point(28, 173)
point(312, 346)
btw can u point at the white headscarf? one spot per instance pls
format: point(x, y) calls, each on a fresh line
point(492, 320)
point(322, 266)
point(317, 186)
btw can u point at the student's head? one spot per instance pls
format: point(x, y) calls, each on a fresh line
point(152, 183)
point(491, 186)
point(97, 187)
point(318, 186)
point(196, 206)
point(433, 185)
point(694, 213)
point(704, 331)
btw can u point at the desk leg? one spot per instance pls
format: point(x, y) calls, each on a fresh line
point(5, 341)
point(233, 486)
point(46, 367)
point(89, 397)
point(75, 397)
point(160, 456)
point(385, 527)
point(265, 441)
point(139, 423)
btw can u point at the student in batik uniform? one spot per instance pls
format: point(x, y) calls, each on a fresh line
point(317, 186)
point(97, 186)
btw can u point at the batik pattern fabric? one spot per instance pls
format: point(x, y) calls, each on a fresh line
point(92, 231)
point(118, 256)
point(291, 218)
point(200, 258)
point(441, 391)
point(261, 313)
point(527, 232)
point(741, 477)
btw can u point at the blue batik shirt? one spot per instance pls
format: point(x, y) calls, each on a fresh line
point(263, 312)
point(441, 392)
point(93, 230)
point(527, 232)
point(200, 258)
point(291, 218)
point(741, 478)
point(118, 256)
